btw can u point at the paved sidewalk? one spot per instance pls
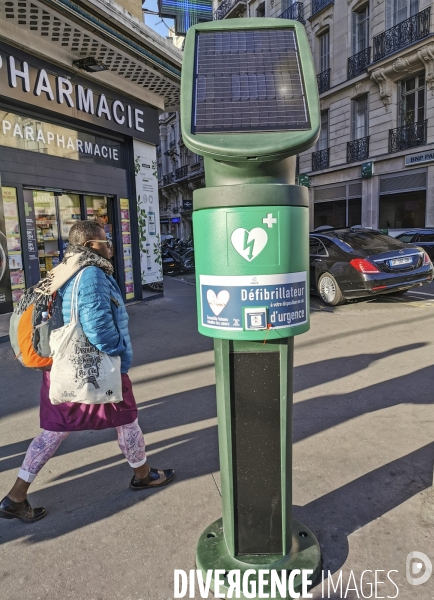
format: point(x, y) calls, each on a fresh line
point(363, 457)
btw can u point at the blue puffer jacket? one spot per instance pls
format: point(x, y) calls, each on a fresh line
point(102, 313)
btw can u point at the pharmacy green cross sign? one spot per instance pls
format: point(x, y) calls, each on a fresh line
point(185, 12)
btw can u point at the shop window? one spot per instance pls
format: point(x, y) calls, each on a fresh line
point(338, 213)
point(360, 29)
point(46, 230)
point(360, 117)
point(354, 212)
point(12, 280)
point(412, 100)
point(402, 210)
point(330, 213)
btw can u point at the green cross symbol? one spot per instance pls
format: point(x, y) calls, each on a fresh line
point(27, 209)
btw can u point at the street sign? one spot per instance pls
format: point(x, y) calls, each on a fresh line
point(303, 180)
point(367, 170)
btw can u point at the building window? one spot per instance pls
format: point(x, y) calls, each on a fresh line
point(360, 28)
point(398, 11)
point(260, 11)
point(324, 52)
point(338, 213)
point(286, 4)
point(323, 142)
point(184, 157)
point(412, 101)
point(360, 126)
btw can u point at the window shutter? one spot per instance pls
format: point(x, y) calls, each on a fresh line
point(389, 14)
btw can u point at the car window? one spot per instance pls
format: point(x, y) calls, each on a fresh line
point(330, 246)
point(371, 241)
point(313, 246)
point(426, 237)
point(345, 246)
point(316, 247)
point(405, 237)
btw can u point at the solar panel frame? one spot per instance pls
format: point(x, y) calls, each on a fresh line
point(213, 112)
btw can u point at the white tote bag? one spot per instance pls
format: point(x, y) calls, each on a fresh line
point(80, 372)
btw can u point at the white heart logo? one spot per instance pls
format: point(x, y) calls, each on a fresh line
point(217, 302)
point(249, 243)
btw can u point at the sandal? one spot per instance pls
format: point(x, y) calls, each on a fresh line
point(20, 510)
point(153, 475)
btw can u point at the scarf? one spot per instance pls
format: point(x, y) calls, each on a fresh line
point(74, 259)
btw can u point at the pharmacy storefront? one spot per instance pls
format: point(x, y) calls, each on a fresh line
point(71, 149)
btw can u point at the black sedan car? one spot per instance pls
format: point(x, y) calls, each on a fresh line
point(355, 263)
point(421, 237)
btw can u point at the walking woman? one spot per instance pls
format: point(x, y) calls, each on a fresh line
point(104, 320)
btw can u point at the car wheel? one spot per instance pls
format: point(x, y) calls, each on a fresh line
point(329, 290)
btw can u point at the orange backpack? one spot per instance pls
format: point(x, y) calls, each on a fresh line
point(29, 332)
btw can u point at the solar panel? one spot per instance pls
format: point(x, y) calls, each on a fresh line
point(248, 80)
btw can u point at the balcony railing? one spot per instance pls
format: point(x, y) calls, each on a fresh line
point(413, 29)
point(294, 12)
point(358, 150)
point(169, 178)
point(408, 136)
point(181, 172)
point(323, 80)
point(357, 64)
point(318, 5)
point(235, 7)
point(320, 159)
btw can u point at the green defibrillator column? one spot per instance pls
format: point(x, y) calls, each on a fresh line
point(249, 104)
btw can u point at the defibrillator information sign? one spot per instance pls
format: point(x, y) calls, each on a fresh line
point(223, 299)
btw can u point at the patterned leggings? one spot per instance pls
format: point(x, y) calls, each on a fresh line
point(45, 445)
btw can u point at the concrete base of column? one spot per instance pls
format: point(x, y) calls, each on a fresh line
point(212, 554)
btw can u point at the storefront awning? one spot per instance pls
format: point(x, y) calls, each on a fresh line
point(139, 62)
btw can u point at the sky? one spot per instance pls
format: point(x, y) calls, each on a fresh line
point(152, 20)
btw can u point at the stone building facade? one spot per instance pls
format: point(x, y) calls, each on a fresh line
point(375, 66)
point(180, 172)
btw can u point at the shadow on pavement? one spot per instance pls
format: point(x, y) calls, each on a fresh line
point(336, 515)
point(99, 490)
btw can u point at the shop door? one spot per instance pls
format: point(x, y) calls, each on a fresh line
point(56, 213)
point(101, 209)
